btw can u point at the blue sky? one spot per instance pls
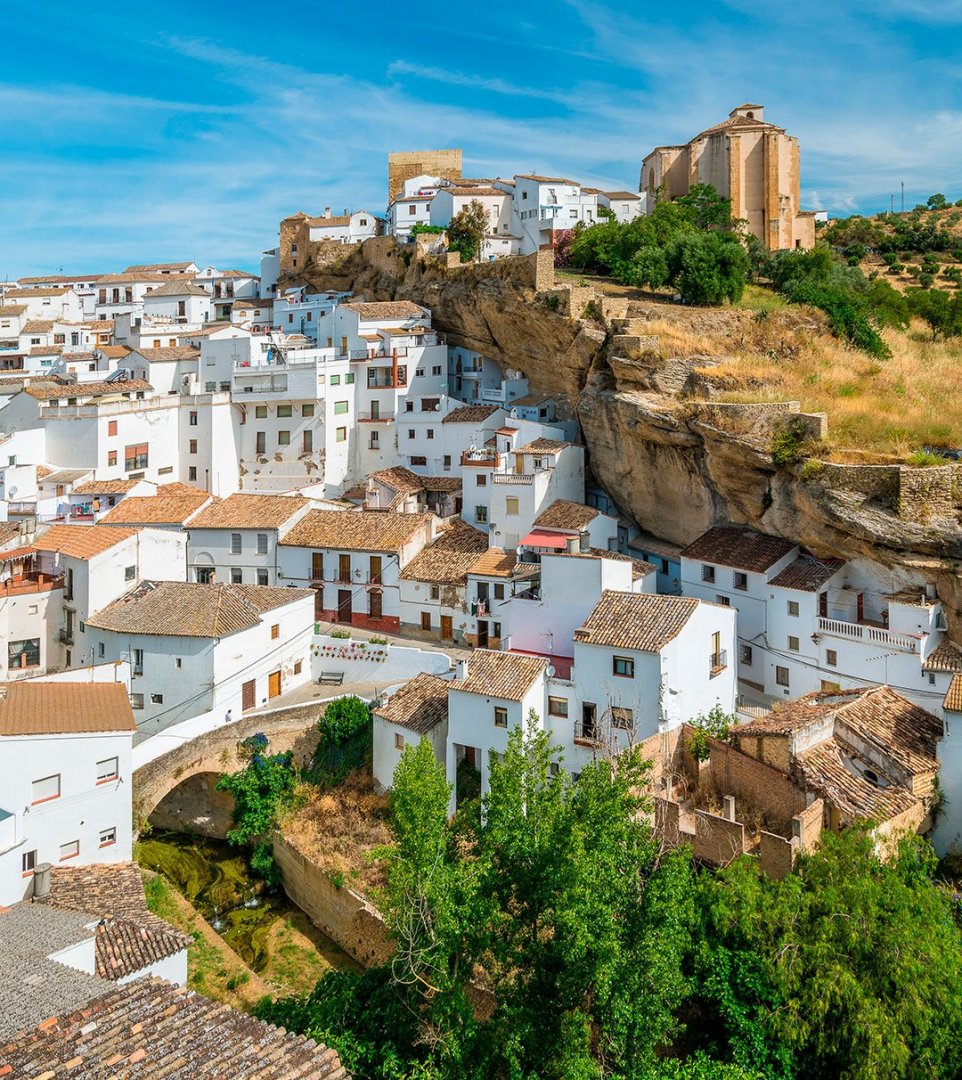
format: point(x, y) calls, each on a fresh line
point(133, 133)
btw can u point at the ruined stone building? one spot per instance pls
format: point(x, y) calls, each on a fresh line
point(746, 159)
point(406, 164)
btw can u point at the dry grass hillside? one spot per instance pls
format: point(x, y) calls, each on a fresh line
point(765, 349)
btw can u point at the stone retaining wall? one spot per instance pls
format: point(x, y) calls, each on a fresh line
point(344, 915)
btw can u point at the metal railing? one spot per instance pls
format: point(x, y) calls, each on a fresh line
point(874, 635)
point(718, 661)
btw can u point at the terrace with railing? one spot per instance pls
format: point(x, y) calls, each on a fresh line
point(871, 635)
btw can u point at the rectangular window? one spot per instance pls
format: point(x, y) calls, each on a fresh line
point(192, 419)
point(500, 716)
point(307, 441)
point(435, 592)
point(340, 434)
point(831, 658)
point(284, 410)
point(558, 706)
point(283, 438)
point(156, 699)
point(725, 601)
point(108, 837)
point(740, 580)
point(260, 412)
point(623, 667)
point(69, 850)
point(781, 676)
point(793, 607)
point(262, 543)
point(28, 860)
point(745, 655)
point(101, 649)
point(792, 644)
point(46, 788)
point(430, 433)
point(349, 378)
point(192, 446)
point(481, 515)
point(130, 572)
point(260, 442)
point(261, 577)
point(23, 654)
point(499, 592)
point(298, 666)
point(135, 456)
point(191, 472)
point(107, 770)
point(235, 543)
point(111, 427)
point(398, 741)
point(622, 718)
point(708, 573)
point(411, 432)
point(307, 409)
point(111, 457)
point(335, 380)
point(482, 480)
point(136, 701)
point(275, 631)
point(511, 504)
point(340, 408)
point(236, 575)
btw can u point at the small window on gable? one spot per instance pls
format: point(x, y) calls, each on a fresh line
point(707, 573)
point(275, 631)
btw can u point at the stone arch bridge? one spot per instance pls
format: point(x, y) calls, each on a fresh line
point(217, 751)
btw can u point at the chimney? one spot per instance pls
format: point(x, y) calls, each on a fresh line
point(346, 211)
point(41, 880)
point(584, 540)
point(728, 807)
point(327, 211)
point(462, 669)
point(571, 545)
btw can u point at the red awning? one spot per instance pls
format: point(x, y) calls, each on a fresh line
point(542, 538)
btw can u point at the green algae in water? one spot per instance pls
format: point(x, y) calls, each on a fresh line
point(215, 878)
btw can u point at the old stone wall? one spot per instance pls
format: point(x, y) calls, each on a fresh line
point(754, 783)
point(343, 914)
point(717, 840)
point(776, 855)
point(926, 494)
point(404, 165)
point(196, 805)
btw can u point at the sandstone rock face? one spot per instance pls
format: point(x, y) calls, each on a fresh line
point(669, 466)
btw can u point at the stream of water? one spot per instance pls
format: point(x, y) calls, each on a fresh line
point(215, 878)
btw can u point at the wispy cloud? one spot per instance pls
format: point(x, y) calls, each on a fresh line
point(476, 82)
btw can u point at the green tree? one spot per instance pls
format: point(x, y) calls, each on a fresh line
point(708, 267)
point(467, 229)
point(937, 202)
point(716, 724)
point(705, 208)
point(939, 309)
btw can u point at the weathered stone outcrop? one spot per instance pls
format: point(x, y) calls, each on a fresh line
point(674, 462)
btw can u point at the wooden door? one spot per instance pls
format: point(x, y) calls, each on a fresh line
point(482, 634)
point(249, 694)
point(860, 608)
point(375, 569)
point(344, 610)
point(344, 568)
point(273, 684)
point(447, 628)
point(374, 604)
point(319, 602)
point(426, 620)
point(317, 566)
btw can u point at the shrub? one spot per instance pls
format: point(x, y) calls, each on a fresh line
point(788, 442)
point(346, 740)
point(812, 469)
point(340, 634)
point(716, 725)
point(924, 459)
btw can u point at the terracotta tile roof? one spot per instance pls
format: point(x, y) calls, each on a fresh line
point(738, 123)
point(531, 399)
point(160, 267)
point(807, 574)
point(52, 279)
point(247, 302)
point(449, 559)
point(562, 514)
point(391, 309)
point(647, 542)
point(151, 1028)
point(115, 890)
point(172, 352)
point(470, 414)
point(495, 562)
point(101, 324)
point(82, 541)
point(104, 487)
point(474, 192)
point(265, 598)
point(739, 547)
point(947, 656)
point(500, 674)
point(160, 509)
point(45, 350)
point(399, 479)
point(953, 696)
point(645, 622)
point(115, 352)
point(29, 294)
point(55, 708)
point(329, 222)
point(240, 511)
point(622, 194)
point(123, 947)
point(37, 326)
point(825, 772)
point(144, 277)
point(189, 609)
point(47, 392)
point(544, 179)
point(420, 705)
point(356, 530)
point(442, 483)
point(176, 288)
point(10, 311)
point(543, 446)
point(639, 568)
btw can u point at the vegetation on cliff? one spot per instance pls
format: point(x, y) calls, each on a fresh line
point(551, 937)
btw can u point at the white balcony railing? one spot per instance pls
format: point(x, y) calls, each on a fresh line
point(872, 635)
